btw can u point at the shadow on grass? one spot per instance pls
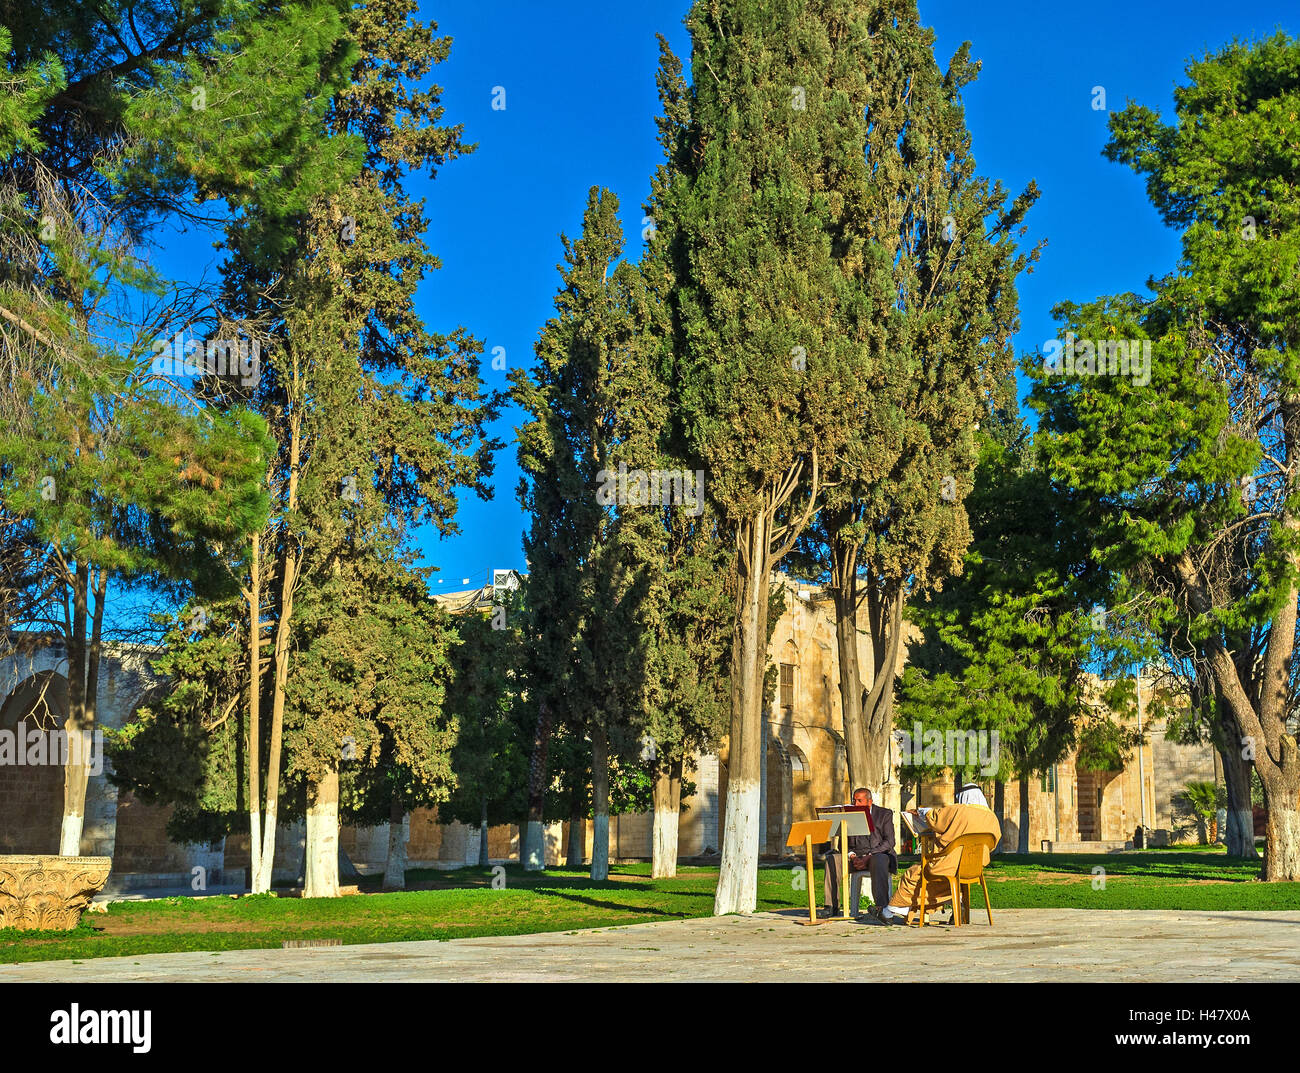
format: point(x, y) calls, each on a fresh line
point(621, 907)
point(1164, 865)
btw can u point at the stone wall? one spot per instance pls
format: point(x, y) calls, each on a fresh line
point(805, 766)
point(1100, 806)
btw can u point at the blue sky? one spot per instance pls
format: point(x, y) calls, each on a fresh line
point(579, 111)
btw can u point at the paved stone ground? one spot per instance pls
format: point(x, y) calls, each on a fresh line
point(1025, 945)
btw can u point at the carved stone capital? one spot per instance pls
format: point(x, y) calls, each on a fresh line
point(48, 892)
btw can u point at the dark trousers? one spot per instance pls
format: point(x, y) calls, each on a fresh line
point(880, 887)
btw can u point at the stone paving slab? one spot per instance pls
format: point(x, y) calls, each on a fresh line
point(1047, 945)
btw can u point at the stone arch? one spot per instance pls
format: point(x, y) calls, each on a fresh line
point(802, 804)
point(777, 800)
point(1099, 804)
point(31, 794)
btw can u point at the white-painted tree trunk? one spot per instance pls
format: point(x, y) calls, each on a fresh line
point(484, 860)
point(254, 847)
point(576, 856)
point(664, 852)
point(266, 858)
point(76, 779)
point(667, 813)
point(254, 597)
point(83, 696)
point(533, 851)
point(395, 862)
point(738, 875)
point(738, 879)
point(76, 776)
point(600, 802)
point(600, 848)
point(70, 834)
point(322, 869)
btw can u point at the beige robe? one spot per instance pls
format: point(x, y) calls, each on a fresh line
point(947, 823)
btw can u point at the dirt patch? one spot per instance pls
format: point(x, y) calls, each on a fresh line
point(1039, 877)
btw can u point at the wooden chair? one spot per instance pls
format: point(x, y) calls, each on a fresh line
point(969, 871)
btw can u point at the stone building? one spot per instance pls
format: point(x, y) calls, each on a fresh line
point(34, 697)
point(805, 766)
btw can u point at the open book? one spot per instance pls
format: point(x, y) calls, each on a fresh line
point(916, 824)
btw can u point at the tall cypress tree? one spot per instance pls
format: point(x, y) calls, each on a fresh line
point(773, 352)
point(583, 398)
point(930, 248)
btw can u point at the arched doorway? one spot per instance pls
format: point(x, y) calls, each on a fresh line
point(801, 796)
point(1093, 810)
point(778, 800)
point(31, 794)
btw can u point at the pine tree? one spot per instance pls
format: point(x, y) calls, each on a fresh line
point(378, 424)
point(1182, 457)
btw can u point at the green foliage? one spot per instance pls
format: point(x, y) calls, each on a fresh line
point(1104, 745)
point(377, 422)
point(1004, 645)
point(490, 758)
point(590, 402)
point(184, 746)
point(755, 281)
point(1184, 470)
point(369, 690)
point(28, 90)
point(1203, 798)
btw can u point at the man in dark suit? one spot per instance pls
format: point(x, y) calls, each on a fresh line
point(875, 852)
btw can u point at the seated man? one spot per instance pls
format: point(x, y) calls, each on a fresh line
point(874, 852)
point(969, 816)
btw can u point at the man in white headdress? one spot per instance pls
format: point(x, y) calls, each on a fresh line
point(970, 815)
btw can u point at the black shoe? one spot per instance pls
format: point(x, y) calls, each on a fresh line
point(827, 914)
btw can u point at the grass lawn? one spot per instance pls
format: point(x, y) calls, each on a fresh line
point(462, 903)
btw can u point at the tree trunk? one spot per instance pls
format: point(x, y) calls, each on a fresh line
point(484, 860)
point(79, 727)
point(533, 850)
point(1022, 844)
point(600, 800)
point(738, 877)
point(667, 814)
point(885, 607)
point(577, 854)
point(283, 632)
point(1261, 722)
point(1282, 835)
point(1239, 835)
point(395, 863)
point(844, 574)
point(254, 751)
point(321, 878)
point(1000, 804)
